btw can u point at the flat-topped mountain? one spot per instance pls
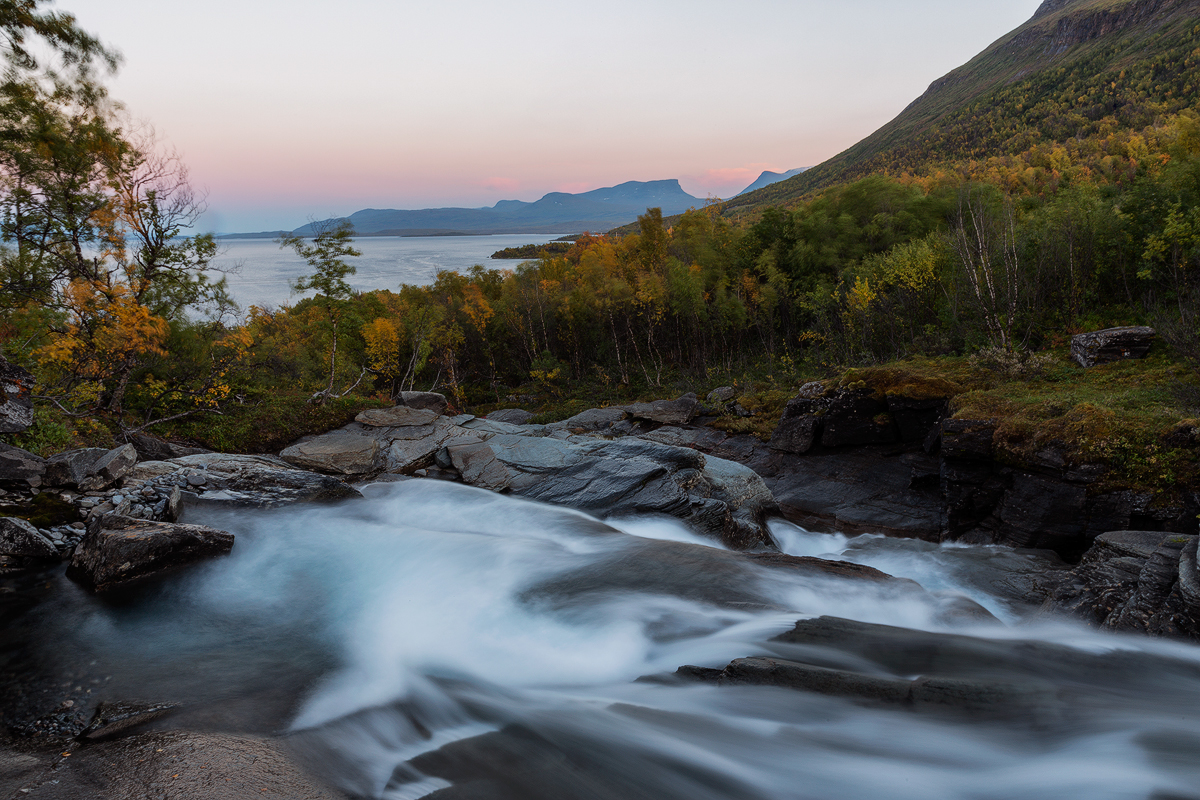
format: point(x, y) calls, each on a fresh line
point(557, 212)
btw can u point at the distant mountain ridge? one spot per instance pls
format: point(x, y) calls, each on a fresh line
point(557, 212)
point(768, 177)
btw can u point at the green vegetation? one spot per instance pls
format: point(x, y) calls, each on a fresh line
point(528, 251)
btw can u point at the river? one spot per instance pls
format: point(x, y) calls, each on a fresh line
point(260, 273)
point(435, 638)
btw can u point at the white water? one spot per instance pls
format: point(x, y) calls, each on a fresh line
point(260, 273)
point(434, 614)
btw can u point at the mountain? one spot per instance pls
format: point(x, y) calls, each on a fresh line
point(1077, 68)
point(768, 177)
point(557, 212)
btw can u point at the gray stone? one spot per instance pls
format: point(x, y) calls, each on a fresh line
point(20, 538)
point(19, 465)
point(110, 467)
point(1111, 344)
point(856, 417)
point(969, 439)
point(259, 481)
point(669, 412)
point(119, 552)
point(592, 420)
point(338, 453)
point(796, 434)
point(16, 402)
point(431, 401)
point(721, 395)
point(1134, 544)
point(397, 416)
point(1189, 575)
point(513, 416)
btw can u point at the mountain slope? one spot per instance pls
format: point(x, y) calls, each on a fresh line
point(557, 212)
point(1076, 68)
point(768, 177)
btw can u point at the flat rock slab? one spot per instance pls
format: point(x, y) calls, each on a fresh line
point(339, 453)
point(120, 552)
point(513, 416)
point(669, 412)
point(1111, 344)
point(396, 416)
point(1128, 544)
point(239, 480)
point(20, 465)
point(432, 401)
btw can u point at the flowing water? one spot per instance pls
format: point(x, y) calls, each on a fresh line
point(436, 635)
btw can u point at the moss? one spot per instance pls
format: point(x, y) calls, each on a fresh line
point(45, 511)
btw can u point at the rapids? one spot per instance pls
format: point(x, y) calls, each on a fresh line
point(435, 634)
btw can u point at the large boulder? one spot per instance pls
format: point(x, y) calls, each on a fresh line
point(20, 465)
point(1111, 344)
point(668, 412)
point(625, 476)
point(339, 452)
point(21, 539)
point(110, 468)
point(593, 419)
point(16, 403)
point(430, 401)
point(72, 467)
point(119, 552)
point(513, 416)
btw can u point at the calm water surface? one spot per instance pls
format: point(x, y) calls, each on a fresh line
point(260, 273)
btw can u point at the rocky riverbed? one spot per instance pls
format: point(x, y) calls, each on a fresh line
point(186, 565)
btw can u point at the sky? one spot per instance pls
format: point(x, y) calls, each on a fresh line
point(305, 110)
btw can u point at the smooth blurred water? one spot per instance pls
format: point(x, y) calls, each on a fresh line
point(261, 274)
point(434, 624)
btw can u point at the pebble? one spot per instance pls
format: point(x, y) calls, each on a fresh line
point(196, 480)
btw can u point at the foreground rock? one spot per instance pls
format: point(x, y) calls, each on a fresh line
point(225, 479)
point(1140, 581)
point(1111, 344)
point(21, 539)
point(197, 766)
point(119, 552)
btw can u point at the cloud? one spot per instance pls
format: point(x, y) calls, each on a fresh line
point(501, 184)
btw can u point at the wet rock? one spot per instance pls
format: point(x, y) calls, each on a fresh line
point(1111, 344)
point(668, 412)
point(796, 434)
point(856, 417)
point(21, 539)
point(338, 453)
point(916, 418)
point(257, 481)
point(513, 416)
point(1154, 584)
point(119, 719)
point(430, 401)
point(110, 467)
point(119, 552)
point(967, 439)
point(73, 467)
point(20, 465)
point(16, 403)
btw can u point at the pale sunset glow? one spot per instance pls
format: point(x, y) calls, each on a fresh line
point(286, 112)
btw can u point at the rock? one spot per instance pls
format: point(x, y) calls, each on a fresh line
point(72, 467)
point(20, 465)
point(119, 552)
point(969, 439)
point(20, 538)
point(1189, 576)
point(431, 401)
point(915, 419)
point(669, 412)
point(796, 434)
point(623, 476)
point(16, 403)
point(110, 467)
point(178, 764)
point(414, 447)
point(1129, 544)
point(593, 419)
point(397, 416)
point(721, 395)
point(259, 481)
point(1154, 584)
point(856, 417)
point(512, 416)
point(1111, 344)
point(339, 453)
point(151, 448)
point(118, 719)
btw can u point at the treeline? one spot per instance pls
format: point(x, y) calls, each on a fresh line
point(527, 251)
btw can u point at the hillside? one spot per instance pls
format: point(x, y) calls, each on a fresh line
point(557, 212)
point(768, 178)
point(1077, 68)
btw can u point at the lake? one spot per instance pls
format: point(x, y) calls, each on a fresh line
point(261, 274)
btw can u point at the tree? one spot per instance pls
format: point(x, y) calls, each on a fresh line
point(331, 245)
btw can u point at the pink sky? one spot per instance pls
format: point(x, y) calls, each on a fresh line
point(287, 112)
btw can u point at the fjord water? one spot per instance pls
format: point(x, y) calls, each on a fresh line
point(434, 634)
point(261, 274)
